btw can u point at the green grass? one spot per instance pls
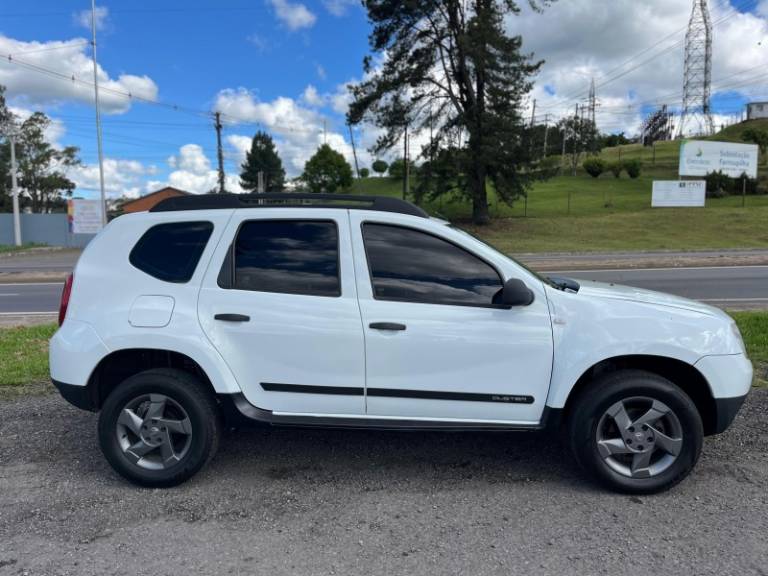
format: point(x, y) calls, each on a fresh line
point(8, 248)
point(754, 329)
point(24, 358)
point(584, 214)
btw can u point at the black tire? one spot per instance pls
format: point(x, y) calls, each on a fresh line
point(185, 391)
point(600, 396)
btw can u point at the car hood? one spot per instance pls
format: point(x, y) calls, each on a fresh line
point(593, 289)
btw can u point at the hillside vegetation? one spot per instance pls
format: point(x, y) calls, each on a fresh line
point(611, 214)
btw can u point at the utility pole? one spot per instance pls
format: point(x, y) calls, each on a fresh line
point(576, 148)
point(11, 132)
point(405, 162)
point(98, 116)
point(219, 152)
point(565, 139)
point(533, 113)
point(354, 151)
point(546, 132)
point(260, 182)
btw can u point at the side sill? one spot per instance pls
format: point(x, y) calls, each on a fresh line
point(238, 411)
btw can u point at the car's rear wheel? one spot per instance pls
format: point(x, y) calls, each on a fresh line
point(159, 427)
point(636, 432)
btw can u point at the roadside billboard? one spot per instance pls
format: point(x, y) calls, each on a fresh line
point(84, 216)
point(699, 158)
point(669, 193)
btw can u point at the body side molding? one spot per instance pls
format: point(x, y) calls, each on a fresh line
point(399, 393)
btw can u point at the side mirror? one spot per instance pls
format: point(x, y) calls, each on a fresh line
point(514, 293)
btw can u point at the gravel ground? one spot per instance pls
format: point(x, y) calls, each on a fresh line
point(286, 501)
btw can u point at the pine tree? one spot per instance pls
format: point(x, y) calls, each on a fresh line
point(449, 65)
point(262, 157)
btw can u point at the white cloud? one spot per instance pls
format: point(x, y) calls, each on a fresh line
point(83, 18)
point(121, 177)
point(339, 7)
point(322, 74)
point(34, 88)
point(298, 131)
point(294, 15)
point(312, 97)
point(259, 41)
point(584, 38)
point(193, 172)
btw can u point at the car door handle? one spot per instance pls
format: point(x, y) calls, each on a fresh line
point(394, 326)
point(232, 317)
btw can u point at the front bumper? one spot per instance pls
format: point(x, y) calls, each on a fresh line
point(725, 412)
point(730, 379)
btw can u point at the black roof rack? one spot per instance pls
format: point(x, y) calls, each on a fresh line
point(224, 201)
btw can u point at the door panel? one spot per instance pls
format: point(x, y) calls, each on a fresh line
point(297, 352)
point(452, 361)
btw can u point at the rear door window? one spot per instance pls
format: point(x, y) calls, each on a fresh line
point(171, 252)
point(287, 256)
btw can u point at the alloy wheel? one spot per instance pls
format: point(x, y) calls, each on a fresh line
point(154, 431)
point(639, 437)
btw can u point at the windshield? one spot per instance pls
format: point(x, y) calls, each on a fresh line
point(500, 253)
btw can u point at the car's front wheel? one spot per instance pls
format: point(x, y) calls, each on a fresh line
point(636, 432)
point(159, 427)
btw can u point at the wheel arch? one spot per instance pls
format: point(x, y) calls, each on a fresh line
point(116, 366)
point(684, 375)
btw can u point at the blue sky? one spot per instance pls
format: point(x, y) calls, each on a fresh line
point(282, 65)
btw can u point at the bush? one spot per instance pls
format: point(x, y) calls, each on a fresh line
point(753, 185)
point(594, 166)
point(379, 166)
point(633, 168)
point(718, 184)
point(615, 168)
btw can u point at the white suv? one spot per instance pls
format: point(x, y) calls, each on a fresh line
point(346, 311)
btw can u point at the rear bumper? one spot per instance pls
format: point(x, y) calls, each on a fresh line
point(79, 396)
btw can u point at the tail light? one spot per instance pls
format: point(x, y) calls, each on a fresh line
point(65, 298)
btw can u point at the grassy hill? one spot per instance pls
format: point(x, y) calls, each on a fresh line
point(611, 214)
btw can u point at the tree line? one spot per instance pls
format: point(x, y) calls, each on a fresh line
point(41, 167)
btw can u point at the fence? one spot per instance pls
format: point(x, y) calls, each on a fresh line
point(50, 229)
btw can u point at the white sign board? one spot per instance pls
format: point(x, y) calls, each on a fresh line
point(699, 158)
point(84, 216)
point(669, 193)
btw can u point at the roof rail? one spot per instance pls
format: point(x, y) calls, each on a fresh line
point(272, 200)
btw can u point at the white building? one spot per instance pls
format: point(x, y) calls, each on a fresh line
point(757, 110)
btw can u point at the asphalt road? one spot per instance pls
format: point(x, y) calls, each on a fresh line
point(727, 287)
point(295, 502)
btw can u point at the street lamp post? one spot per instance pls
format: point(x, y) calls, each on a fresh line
point(15, 192)
point(11, 131)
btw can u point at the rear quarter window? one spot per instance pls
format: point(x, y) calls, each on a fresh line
point(171, 252)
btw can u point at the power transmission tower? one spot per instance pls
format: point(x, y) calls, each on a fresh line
point(219, 152)
point(697, 76)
